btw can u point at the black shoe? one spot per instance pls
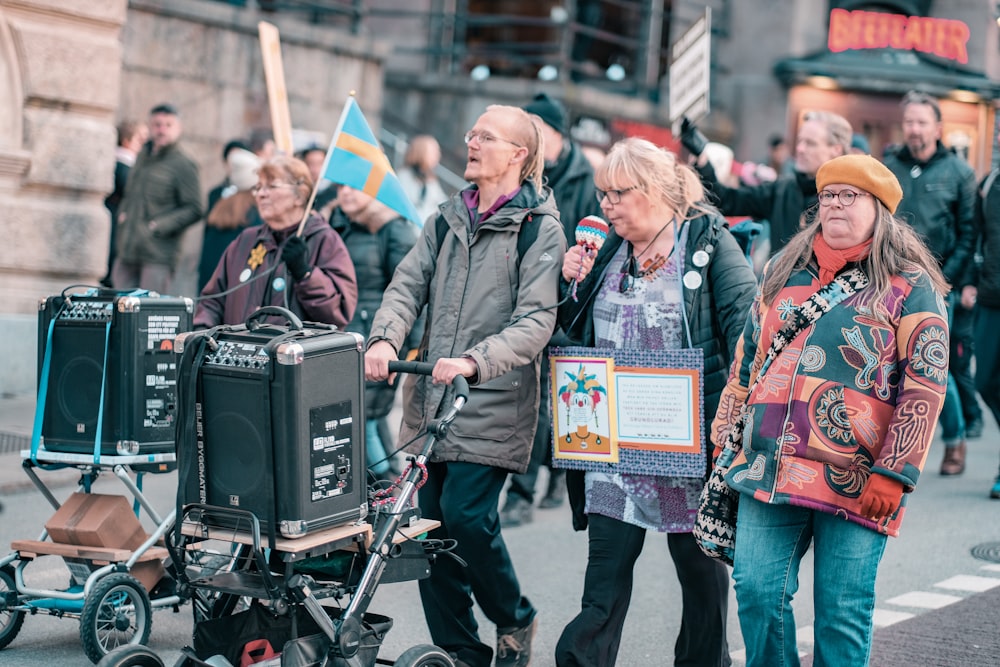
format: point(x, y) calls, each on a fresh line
point(514, 645)
point(995, 491)
point(974, 429)
point(516, 511)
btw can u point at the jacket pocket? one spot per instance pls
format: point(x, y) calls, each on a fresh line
point(832, 439)
point(494, 408)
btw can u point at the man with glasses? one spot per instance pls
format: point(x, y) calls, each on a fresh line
point(939, 201)
point(822, 136)
point(162, 199)
point(490, 312)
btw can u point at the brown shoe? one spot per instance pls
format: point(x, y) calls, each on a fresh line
point(954, 459)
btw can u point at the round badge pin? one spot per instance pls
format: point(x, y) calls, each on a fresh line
point(699, 258)
point(245, 276)
point(278, 284)
point(692, 280)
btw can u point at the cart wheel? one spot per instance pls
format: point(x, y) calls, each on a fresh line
point(10, 621)
point(424, 655)
point(116, 612)
point(131, 655)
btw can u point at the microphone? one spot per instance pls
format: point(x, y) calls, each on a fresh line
point(591, 233)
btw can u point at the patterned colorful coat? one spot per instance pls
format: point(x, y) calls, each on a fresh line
point(848, 397)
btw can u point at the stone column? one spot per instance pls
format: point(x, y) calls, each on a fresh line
point(60, 68)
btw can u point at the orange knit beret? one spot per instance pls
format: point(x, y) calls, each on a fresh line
point(863, 172)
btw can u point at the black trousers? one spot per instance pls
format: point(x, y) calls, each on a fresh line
point(963, 348)
point(464, 497)
point(592, 638)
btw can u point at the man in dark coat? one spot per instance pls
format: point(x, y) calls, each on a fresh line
point(162, 199)
point(939, 201)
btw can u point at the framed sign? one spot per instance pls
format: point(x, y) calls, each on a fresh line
point(628, 411)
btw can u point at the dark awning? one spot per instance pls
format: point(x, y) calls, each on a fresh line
point(886, 71)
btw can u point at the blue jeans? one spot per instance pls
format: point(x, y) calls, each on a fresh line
point(770, 543)
point(374, 450)
point(952, 420)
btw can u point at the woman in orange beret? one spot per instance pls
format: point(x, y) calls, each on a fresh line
point(839, 426)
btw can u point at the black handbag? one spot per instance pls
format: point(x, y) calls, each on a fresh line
point(718, 506)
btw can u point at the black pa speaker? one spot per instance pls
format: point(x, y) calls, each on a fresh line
point(115, 346)
point(273, 423)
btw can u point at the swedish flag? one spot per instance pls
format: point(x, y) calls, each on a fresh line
point(355, 159)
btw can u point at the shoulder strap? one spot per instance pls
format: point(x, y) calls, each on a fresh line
point(828, 296)
point(526, 235)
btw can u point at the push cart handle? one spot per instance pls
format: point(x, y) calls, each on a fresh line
point(276, 311)
point(460, 384)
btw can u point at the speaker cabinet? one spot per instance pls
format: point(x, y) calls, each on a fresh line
point(121, 347)
point(273, 423)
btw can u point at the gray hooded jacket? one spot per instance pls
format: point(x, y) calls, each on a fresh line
point(474, 286)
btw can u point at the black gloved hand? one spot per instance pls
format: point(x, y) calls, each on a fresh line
point(295, 256)
point(691, 137)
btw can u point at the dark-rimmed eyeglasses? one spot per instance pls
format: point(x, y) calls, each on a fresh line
point(614, 196)
point(261, 187)
point(846, 197)
point(486, 138)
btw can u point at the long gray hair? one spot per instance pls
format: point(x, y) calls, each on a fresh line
point(896, 250)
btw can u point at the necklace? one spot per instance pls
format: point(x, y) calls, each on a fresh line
point(630, 271)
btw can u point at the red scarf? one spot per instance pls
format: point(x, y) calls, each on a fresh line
point(831, 261)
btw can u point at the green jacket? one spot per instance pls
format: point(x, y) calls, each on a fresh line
point(474, 285)
point(163, 187)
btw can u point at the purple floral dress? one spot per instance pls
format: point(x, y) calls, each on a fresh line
point(648, 316)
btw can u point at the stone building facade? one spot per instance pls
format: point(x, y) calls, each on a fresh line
point(71, 70)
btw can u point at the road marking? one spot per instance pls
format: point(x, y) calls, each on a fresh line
point(991, 568)
point(967, 582)
point(884, 617)
point(923, 600)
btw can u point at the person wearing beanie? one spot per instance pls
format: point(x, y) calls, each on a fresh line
point(838, 428)
point(939, 202)
point(571, 176)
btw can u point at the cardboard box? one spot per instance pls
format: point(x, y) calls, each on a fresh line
point(96, 520)
point(148, 573)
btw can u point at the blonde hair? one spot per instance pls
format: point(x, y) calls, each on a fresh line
point(838, 130)
point(290, 169)
point(419, 152)
point(527, 135)
point(657, 173)
point(896, 250)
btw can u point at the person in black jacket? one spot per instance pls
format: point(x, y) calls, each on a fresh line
point(822, 136)
point(377, 239)
point(981, 291)
point(939, 200)
point(571, 177)
point(132, 134)
point(669, 277)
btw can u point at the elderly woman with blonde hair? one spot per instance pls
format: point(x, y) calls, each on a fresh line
point(669, 277)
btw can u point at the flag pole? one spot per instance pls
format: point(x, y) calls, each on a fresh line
point(326, 161)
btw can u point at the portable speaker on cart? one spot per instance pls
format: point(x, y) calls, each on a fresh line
point(272, 421)
point(106, 362)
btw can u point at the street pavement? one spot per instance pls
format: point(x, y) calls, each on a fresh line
point(930, 567)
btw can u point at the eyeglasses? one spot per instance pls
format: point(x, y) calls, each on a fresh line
point(846, 197)
point(262, 187)
point(485, 138)
point(614, 196)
